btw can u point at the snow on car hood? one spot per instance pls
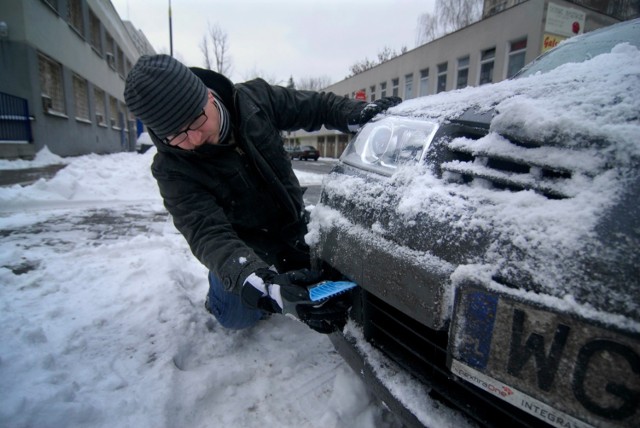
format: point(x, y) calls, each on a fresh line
point(593, 99)
point(591, 108)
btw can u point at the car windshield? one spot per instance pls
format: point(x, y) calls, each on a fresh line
point(582, 48)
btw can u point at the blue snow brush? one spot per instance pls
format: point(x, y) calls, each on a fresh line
point(326, 289)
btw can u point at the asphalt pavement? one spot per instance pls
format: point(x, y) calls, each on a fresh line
point(312, 194)
point(9, 177)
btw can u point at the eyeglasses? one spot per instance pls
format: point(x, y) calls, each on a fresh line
point(181, 137)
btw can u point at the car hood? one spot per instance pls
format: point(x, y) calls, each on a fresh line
point(529, 185)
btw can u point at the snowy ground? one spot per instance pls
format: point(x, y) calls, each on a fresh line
point(101, 306)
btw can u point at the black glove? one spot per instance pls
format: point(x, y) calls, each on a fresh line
point(369, 111)
point(287, 294)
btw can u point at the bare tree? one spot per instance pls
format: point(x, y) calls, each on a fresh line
point(383, 56)
point(449, 16)
point(313, 83)
point(361, 66)
point(215, 47)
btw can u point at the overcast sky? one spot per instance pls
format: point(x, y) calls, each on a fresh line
point(281, 38)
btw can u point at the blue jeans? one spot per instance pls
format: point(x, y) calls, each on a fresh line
point(228, 308)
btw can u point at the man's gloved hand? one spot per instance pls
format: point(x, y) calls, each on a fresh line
point(370, 110)
point(287, 294)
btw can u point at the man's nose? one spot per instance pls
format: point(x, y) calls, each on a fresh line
point(195, 137)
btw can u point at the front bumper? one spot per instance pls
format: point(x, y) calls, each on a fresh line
point(421, 353)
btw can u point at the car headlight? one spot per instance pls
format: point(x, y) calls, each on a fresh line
point(383, 145)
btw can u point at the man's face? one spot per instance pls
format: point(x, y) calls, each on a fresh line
point(207, 133)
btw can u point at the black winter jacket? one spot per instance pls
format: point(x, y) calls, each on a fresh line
point(239, 205)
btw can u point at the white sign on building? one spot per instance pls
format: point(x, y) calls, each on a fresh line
point(564, 21)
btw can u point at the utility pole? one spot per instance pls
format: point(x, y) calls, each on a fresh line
point(170, 31)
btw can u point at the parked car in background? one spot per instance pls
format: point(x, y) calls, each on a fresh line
point(292, 151)
point(305, 153)
point(144, 142)
point(495, 235)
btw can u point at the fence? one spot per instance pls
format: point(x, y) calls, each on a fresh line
point(15, 123)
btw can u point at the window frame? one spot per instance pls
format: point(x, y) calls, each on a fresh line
point(441, 82)
point(520, 51)
point(100, 111)
point(424, 82)
point(52, 90)
point(408, 86)
point(81, 98)
point(463, 64)
point(95, 36)
point(486, 60)
point(114, 113)
point(75, 16)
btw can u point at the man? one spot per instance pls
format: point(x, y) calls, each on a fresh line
point(228, 183)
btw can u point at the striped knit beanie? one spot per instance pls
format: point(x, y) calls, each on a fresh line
point(164, 94)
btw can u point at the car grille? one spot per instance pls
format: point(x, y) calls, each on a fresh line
point(508, 165)
point(423, 352)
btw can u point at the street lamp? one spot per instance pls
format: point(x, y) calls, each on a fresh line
point(170, 31)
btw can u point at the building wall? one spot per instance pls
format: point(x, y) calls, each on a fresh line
point(39, 27)
point(516, 21)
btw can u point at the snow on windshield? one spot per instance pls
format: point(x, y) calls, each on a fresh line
point(596, 101)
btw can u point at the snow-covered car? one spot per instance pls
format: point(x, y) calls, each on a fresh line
point(143, 142)
point(495, 235)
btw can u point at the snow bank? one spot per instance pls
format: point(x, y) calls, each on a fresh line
point(103, 324)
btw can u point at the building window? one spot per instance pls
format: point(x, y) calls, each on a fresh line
point(372, 93)
point(81, 98)
point(75, 15)
point(517, 52)
point(125, 117)
point(424, 82)
point(94, 29)
point(113, 112)
point(395, 83)
point(442, 77)
point(463, 72)
point(120, 62)
point(101, 117)
point(408, 86)
point(383, 89)
point(52, 90)
point(111, 51)
point(486, 65)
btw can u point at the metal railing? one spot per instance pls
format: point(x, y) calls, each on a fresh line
point(15, 122)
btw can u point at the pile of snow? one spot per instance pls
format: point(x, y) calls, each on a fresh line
point(103, 321)
point(43, 158)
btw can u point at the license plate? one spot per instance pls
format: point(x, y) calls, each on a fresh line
point(565, 370)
